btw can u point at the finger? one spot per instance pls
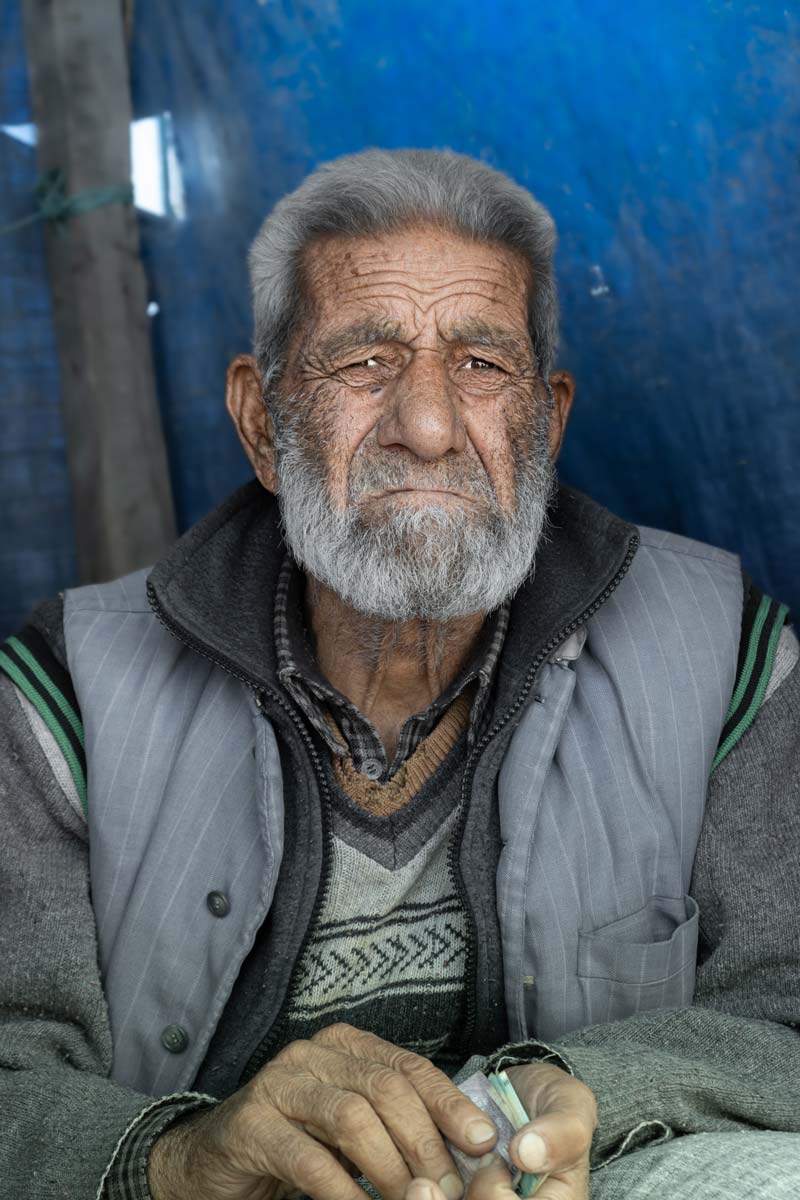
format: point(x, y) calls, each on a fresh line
point(453, 1113)
point(566, 1185)
point(558, 1189)
point(492, 1181)
point(396, 1101)
point(544, 1088)
point(277, 1148)
point(556, 1141)
point(344, 1119)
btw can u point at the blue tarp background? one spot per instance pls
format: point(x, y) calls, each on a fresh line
point(663, 137)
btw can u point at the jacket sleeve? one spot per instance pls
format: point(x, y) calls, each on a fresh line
point(66, 1126)
point(731, 1061)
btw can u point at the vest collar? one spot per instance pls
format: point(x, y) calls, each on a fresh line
point(215, 588)
point(585, 552)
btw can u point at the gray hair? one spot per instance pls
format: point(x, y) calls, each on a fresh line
point(381, 191)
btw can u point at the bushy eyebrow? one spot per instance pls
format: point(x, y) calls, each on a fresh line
point(361, 333)
point(473, 332)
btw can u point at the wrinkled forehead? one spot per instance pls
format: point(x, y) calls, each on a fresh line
point(412, 276)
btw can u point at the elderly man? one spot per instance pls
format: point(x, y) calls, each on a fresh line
point(404, 763)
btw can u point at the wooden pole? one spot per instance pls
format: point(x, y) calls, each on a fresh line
point(77, 64)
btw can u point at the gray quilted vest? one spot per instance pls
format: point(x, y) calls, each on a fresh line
point(601, 796)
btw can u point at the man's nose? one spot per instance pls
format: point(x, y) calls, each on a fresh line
point(424, 410)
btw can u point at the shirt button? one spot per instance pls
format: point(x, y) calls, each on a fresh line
point(218, 904)
point(175, 1039)
point(371, 768)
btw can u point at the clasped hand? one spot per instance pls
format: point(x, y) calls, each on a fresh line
point(346, 1103)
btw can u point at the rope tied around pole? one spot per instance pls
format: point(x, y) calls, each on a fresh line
point(53, 204)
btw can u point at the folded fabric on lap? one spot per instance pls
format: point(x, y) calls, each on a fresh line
point(705, 1166)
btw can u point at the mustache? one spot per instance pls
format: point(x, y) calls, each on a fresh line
point(393, 471)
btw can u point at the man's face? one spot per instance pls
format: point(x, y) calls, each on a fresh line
point(417, 356)
point(413, 434)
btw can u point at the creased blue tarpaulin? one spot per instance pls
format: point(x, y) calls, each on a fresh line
point(662, 137)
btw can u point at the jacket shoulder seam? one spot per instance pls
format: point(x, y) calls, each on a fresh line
point(98, 608)
point(714, 555)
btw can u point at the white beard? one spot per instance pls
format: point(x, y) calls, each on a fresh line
point(437, 560)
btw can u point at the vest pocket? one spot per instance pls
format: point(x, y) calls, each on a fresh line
point(642, 961)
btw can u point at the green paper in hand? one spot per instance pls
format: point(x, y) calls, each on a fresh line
point(525, 1183)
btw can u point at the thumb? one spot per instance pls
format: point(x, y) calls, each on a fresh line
point(563, 1113)
point(555, 1141)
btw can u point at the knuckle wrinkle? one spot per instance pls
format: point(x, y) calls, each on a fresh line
point(353, 1113)
point(314, 1171)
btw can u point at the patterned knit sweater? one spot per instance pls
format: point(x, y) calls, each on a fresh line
point(387, 950)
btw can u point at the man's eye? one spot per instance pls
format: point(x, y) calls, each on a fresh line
point(364, 362)
point(480, 364)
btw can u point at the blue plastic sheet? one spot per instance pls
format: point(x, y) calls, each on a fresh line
point(662, 137)
point(37, 546)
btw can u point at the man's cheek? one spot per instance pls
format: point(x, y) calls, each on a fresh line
point(527, 427)
point(495, 450)
point(314, 424)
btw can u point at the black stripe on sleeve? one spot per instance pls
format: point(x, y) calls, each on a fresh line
point(753, 602)
point(37, 647)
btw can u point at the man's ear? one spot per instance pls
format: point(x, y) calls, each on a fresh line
point(563, 385)
point(244, 401)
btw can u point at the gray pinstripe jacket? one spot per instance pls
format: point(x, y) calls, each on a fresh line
point(633, 641)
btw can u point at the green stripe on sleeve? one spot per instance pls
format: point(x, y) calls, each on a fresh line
point(752, 651)
point(51, 721)
point(46, 682)
point(758, 697)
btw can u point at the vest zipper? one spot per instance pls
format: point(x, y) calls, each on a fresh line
point(261, 1054)
point(262, 1051)
point(469, 775)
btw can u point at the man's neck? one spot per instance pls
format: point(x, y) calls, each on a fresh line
point(388, 669)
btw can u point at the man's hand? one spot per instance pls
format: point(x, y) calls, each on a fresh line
point(557, 1141)
point(343, 1103)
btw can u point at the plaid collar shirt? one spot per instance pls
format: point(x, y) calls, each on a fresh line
point(300, 675)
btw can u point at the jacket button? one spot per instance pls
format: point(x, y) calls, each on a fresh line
point(218, 904)
point(175, 1039)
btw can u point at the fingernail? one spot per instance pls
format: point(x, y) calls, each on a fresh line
point(452, 1186)
point(479, 1131)
point(488, 1159)
point(532, 1151)
point(419, 1191)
